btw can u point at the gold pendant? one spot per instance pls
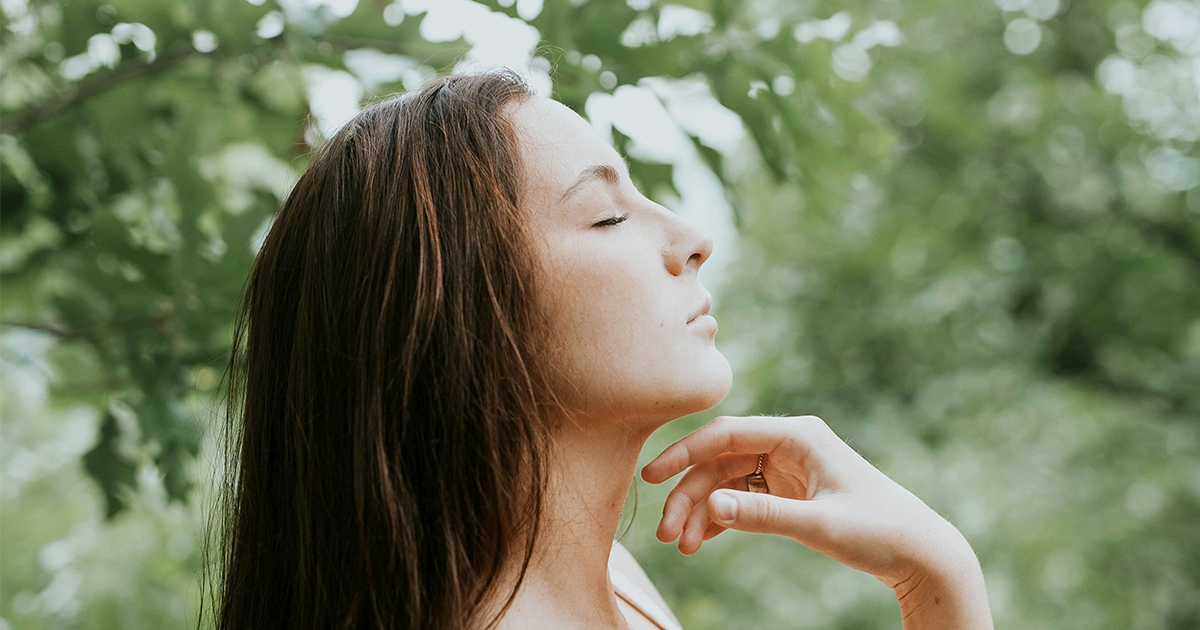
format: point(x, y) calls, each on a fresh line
point(755, 481)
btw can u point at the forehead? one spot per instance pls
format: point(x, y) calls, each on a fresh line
point(556, 144)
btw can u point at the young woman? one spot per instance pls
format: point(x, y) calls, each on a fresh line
point(457, 336)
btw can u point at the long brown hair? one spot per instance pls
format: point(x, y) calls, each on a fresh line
point(387, 407)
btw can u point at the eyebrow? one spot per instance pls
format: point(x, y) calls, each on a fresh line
point(602, 172)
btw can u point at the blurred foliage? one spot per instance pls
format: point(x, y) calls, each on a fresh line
point(969, 238)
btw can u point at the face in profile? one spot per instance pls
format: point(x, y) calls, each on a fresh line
point(619, 278)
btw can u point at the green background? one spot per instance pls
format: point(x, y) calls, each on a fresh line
point(970, 244)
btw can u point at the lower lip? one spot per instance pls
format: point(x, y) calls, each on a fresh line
point(704, 321)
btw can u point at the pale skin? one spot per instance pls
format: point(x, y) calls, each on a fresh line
point(619, 273)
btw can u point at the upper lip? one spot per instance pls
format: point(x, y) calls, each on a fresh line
point(703, 309)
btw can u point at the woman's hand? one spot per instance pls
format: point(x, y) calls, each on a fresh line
point(823, 495)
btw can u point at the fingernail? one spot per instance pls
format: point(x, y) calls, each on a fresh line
point(724, 506)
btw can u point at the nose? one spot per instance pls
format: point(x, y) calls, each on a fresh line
point(692, 246)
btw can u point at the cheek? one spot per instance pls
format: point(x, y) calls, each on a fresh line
point(611, 302)
point(613, 319)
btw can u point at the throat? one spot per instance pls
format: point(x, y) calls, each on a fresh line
point(567, 582)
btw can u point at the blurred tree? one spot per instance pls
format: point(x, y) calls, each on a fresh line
point(968, 239)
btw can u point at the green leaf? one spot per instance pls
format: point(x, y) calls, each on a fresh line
point(116, 475)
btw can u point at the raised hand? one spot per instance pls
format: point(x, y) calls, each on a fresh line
point(823, 494)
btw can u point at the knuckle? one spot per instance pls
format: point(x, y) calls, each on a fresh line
point(814, 422)
point(718, 430)
point(818, 429)
point(729, 437)
point(685, 454)
point(724, 469)
point(771, 515)
point(682, 498)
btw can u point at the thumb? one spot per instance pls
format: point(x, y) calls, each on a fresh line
point(766, 514)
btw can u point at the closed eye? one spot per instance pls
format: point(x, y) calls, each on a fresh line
point(612, 221)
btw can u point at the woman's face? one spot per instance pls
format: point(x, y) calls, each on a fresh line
point(621, 294)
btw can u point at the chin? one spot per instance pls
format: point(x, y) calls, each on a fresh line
point(708, 383)
point(653, 402)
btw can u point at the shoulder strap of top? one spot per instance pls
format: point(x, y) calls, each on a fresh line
point(639, 600)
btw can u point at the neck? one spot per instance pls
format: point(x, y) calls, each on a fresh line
point(591, 470)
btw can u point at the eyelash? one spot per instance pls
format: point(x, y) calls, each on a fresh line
point(612, 221)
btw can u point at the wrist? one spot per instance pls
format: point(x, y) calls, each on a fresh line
point(944, 594)
point(937, 549)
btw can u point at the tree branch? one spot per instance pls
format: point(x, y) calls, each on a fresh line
point(96, 86)
point(90, 331)
point(445, 55)
point(57, 331)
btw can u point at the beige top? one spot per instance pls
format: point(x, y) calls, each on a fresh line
point(627, 589)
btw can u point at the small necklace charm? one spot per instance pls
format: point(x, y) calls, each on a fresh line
point(755, 481)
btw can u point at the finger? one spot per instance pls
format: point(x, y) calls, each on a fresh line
point(733, 434)
point(806, 521)
point(695, 486)
point(698, 521)
point(713, 530)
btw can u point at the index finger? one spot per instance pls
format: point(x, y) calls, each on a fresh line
point(725, 434)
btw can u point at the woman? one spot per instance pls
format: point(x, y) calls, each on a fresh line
point(458, 334)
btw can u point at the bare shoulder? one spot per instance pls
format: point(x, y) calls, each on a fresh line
point(624, 562)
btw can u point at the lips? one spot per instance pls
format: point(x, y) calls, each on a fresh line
point(702, 309)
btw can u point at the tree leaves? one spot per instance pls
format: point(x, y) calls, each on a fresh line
point(115, 474)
